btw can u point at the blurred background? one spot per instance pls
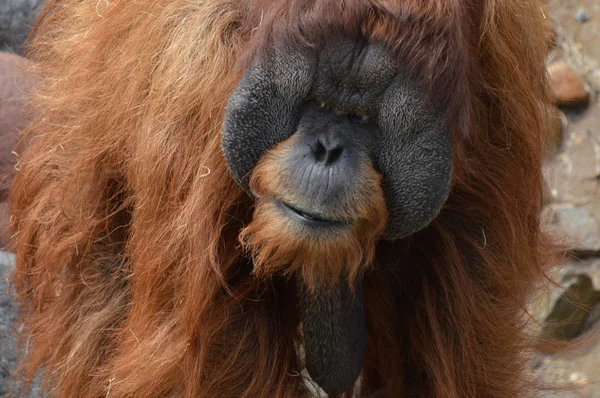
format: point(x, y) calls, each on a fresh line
point(572, 190)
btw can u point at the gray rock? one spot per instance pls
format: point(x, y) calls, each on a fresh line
point(577, 223)
point(14, 86)
point(8, 337)
point(571, 315)
point(7, 318)
point(582, 16)
point(578, 366)
point(16, 19)
point(573, 182)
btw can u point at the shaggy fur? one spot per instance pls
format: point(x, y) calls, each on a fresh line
point(280, 247)
point(126, 220)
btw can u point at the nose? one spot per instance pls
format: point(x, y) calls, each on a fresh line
point(322, 164)
point(327, 148)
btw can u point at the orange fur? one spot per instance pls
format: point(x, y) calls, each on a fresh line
point(279, 245)
point(126, 220)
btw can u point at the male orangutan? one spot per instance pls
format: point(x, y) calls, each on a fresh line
point(282, 198)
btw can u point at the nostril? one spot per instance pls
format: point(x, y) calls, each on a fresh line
point(327, 154)
point(320, 152)
point(333, 155)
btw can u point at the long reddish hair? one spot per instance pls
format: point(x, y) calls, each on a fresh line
point(126, 222)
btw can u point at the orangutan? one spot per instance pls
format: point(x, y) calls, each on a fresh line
point(282, 198)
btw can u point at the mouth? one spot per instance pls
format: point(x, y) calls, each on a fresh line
point(310, 218)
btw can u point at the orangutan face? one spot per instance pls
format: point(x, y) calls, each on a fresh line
point(334, 116)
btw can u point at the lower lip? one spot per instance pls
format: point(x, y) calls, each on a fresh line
point(313, 222)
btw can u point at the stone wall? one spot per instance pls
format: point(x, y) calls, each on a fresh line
point(16, 18)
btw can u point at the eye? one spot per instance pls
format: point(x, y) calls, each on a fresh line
point(359, 119)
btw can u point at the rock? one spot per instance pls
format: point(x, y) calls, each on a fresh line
point(8, 336)
point(556, 124)
point(570, 306)
point(569, 316)
point(14, 85)
point(577, 223)
point(572, 194)
point(582, 16)
point(4, 220)
point(7, 318)
point(547, 196)
point(566, 86)
point(575, 367)
point(549, 31)
point(573, 177)
point(16, 19)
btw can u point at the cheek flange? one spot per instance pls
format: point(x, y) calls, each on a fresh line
point(412, 150)
point(414, 154)
point(263, 109)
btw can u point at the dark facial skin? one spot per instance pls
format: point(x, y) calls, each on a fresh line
point(343, 100)
point(325, 162)
point(339, 104)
